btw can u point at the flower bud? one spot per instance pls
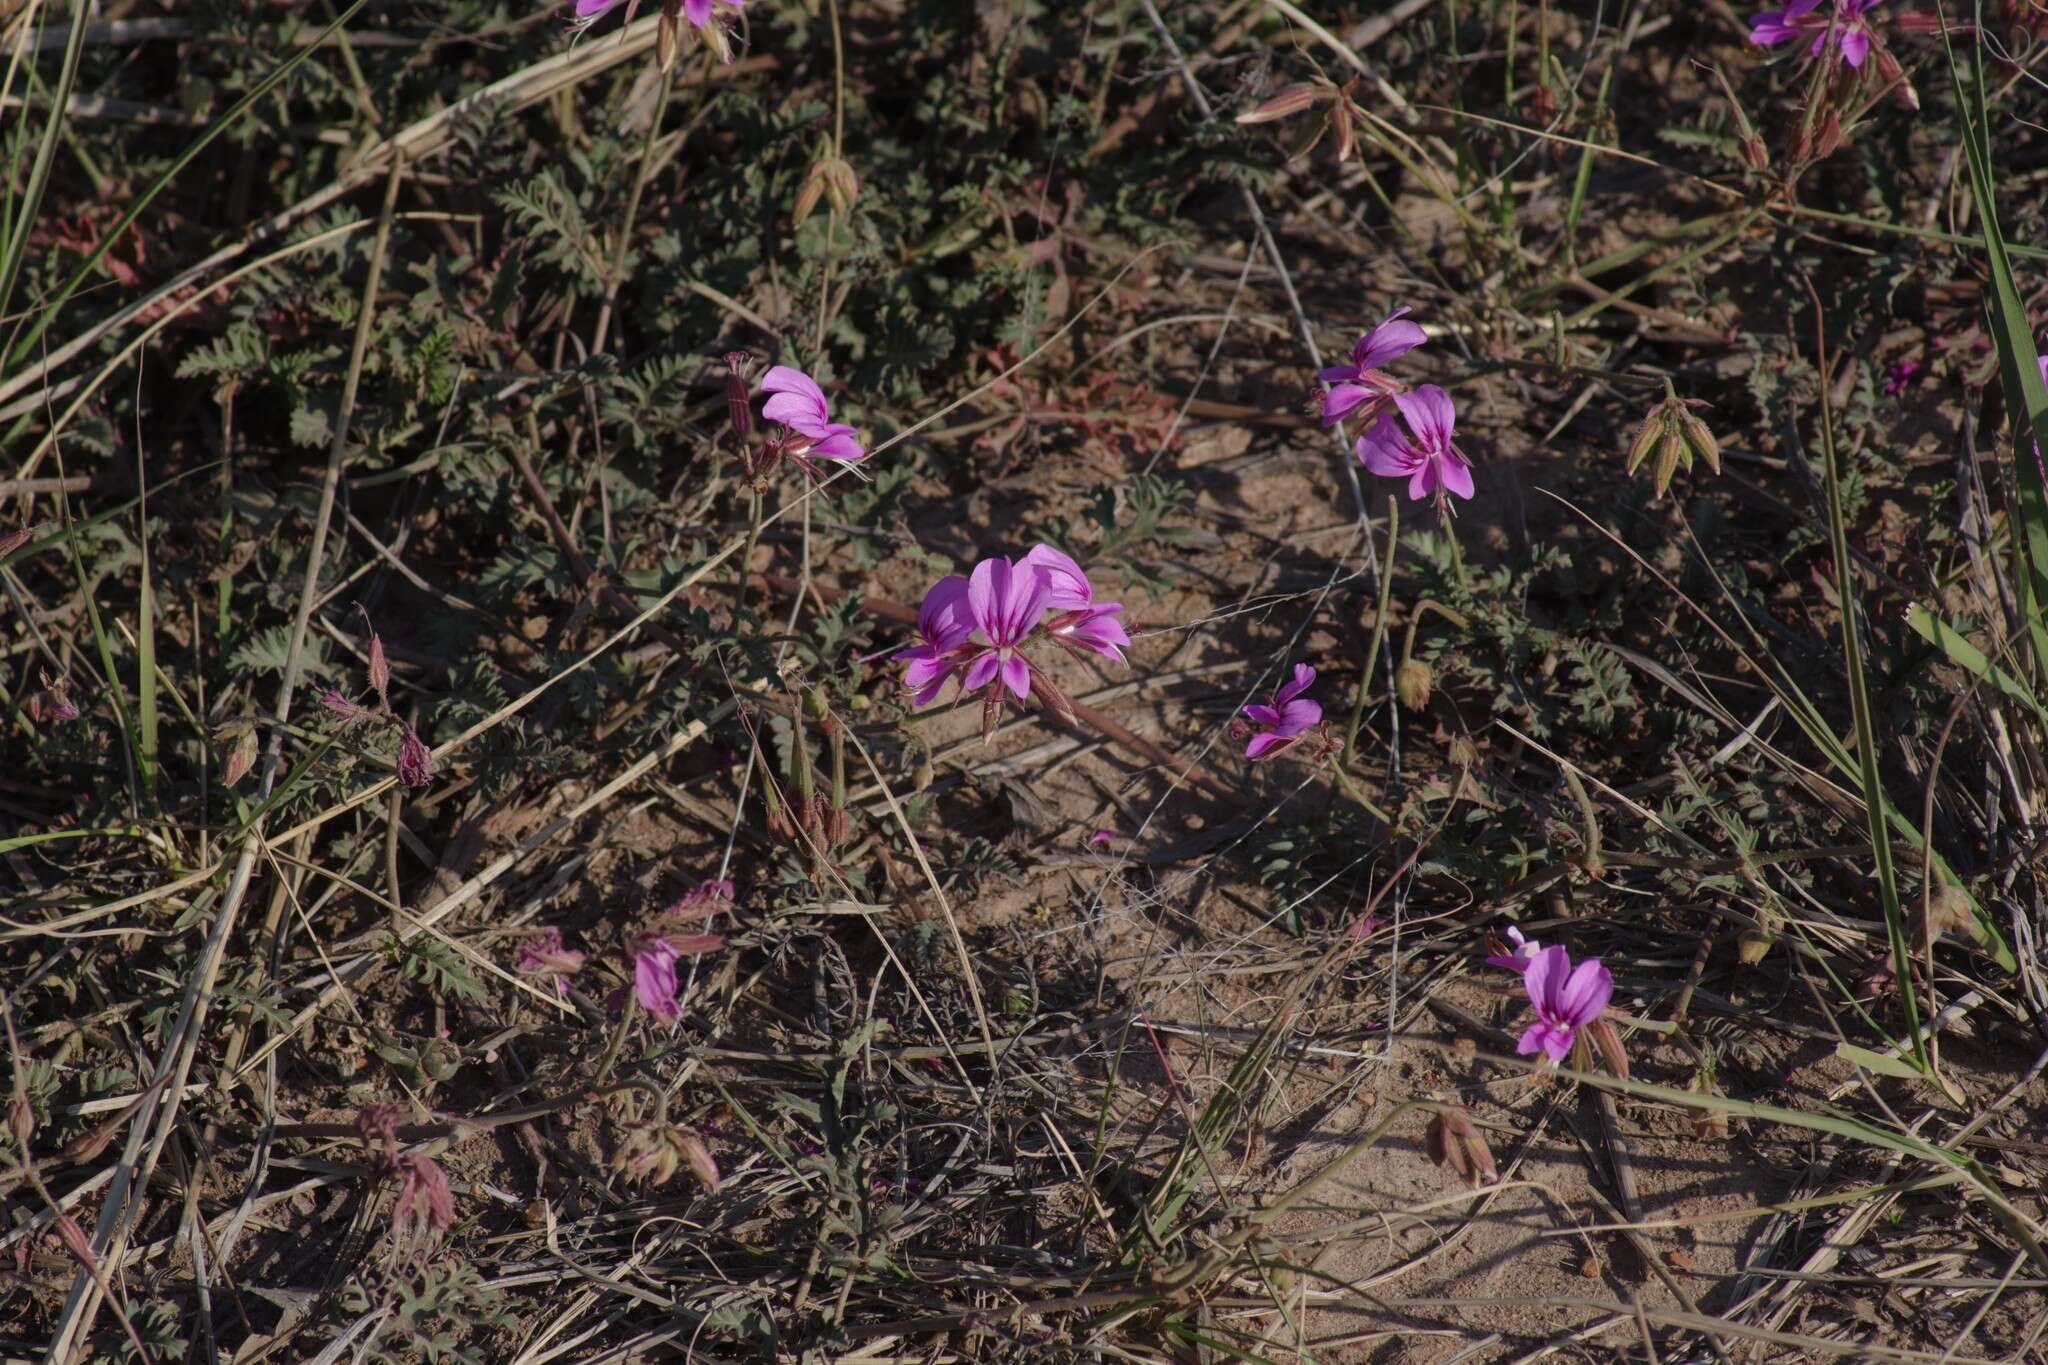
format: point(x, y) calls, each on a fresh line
point(21, 1118)
point(238, 737)
point(1755, 154)
point(380, 670)
point(816, 707)
point(1607, 1046)
point(415, 760)
point(1413, 681)
point(666, 32)
point(14, 540)
point(808, 194)
point(842, 186)
point(1670, 450)
point(698, 1158)
point(1753, 945)
point(441, 1060)
point(921, 776)
point(1286, 104)
point(1454, 1141)
point(1646, 438)
point(739, 408)
point(341, 707)
point(1701, 440)
point(1827, 136)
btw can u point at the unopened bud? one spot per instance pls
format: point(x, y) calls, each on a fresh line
point(1670, 450)
point(698, 1158)
point(1607, 1046)
point(739, 407)
point(1755, 154)
point(1286, 104)
point(21, 1118)
point(341, 707)
point(1827, 136)
point(441, 1060)
point(1454, 1141)
point(842, 186)
point(1894, 76)
point(415, 760)
point(1413, 681)
point(1753, 945)
point(808, 194)
point(1646, 438)
point(380, 668)
point(1949, 911)
point(239, 739)
point(666, 33)
point(14, 540)
point(921, 776)
point(816, 707)
point(1701, 440)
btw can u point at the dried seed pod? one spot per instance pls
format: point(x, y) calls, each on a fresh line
point(1454, 1141)
point(1413, 682)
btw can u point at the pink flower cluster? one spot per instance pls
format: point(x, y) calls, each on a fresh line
point(1568, 999)
point(976, 628)
point(1843, 26)
point(1282, 723)
point(654, 954)
point(1422, 451)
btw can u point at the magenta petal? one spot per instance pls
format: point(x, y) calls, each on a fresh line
point(1337, 374)
point(1558, 1043)
point(1344, 400)
point(1017, 676)
point(1587, 993)
point(1455, 474)
point(1535, 1038)
point(1067, 585)
point(1855, 47)
point(1431, 415)
point(1259, 714)
point(1390, 340)
point(980, 671)
point(698, 12)
point(1263, 744)
point(840, 445)
point(1547, 971)
point(1302, 678)
point(1385, 450)
point(654, 979)
point(1299, 715)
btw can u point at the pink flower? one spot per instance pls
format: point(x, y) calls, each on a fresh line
point(545, 955)
point(588, 12)
point(1900, 377)
point(1289, 717)
point(1524, 952)
point(1006, 601)
point(698, 12)
point(1846, 27)
point(1082, 622)
point(654, 977)
point(799, 405)
point(712, 891)
point(1361, 382)
point(423, 1193)
point(1101, 838)
point(1428, 459)
point(1566, 998)
point(944, 624)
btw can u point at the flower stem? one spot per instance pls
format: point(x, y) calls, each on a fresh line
point(753, 539)
point(1379, 633)
point(611, 1049)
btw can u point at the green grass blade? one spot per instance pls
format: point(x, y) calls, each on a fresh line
point(46, 153)
point(2019, 361)
point(48, 313)
point(1956, 647)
